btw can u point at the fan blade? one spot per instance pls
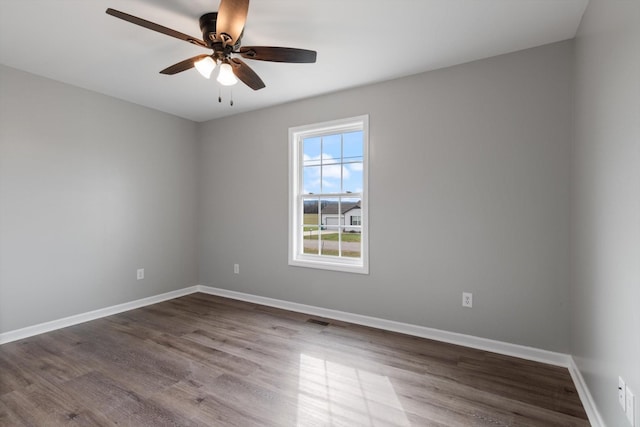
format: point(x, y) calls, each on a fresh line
point(246, 74)
point(183, 65)
point(232, 14)
point(278, 54)
point(155, 27)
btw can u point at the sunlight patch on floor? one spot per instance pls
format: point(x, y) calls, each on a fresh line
point(331, 393)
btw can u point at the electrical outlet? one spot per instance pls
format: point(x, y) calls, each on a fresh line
point(140, 274)
point(236, 268)
point(622, 400)
point(467, 299)
point(631, 412)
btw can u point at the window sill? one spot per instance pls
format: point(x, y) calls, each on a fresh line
point(323, 264)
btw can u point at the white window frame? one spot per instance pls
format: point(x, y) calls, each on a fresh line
point(297, 257)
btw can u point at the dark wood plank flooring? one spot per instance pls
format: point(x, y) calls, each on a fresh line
point(210, 361)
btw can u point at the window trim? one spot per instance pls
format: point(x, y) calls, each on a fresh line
point(296, 256)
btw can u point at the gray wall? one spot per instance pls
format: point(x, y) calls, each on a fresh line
point(91, 188)
point(605, 214)
point(478, 155)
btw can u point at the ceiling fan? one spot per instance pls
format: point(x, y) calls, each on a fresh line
point(222, 32)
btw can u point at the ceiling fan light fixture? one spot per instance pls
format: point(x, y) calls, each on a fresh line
point(205, 66)
point(226, 76)
point(222, 32)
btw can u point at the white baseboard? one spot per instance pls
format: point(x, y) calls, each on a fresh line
point(516, 350)
point(585, 395)
point(41, 328)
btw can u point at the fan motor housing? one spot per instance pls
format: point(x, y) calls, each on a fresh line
point(208, 27)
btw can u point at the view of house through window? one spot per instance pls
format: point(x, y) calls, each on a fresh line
point(329, 227)
point(328, 193)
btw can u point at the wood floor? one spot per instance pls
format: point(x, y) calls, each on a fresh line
point(210, 361)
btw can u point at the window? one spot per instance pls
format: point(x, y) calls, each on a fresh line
point(328, 209)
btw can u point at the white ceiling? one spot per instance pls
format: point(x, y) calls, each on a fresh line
point(358, 42)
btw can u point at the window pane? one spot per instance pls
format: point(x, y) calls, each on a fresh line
point(332, 147)
point(311, 213)
point(329, 241)
point(332, 164)
point(311, 149)
point(310, 240)
point(352, 212)
point(353, 178)
point(331, 220)
point(351, 243)
point(331, 177)
point(353, 160)
point(329, 212)
point(352, 149)
point(311, 180)
point(352, 231)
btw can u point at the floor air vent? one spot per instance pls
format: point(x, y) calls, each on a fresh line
point(318, 322)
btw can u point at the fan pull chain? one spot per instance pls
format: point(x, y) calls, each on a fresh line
point(230, 96)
